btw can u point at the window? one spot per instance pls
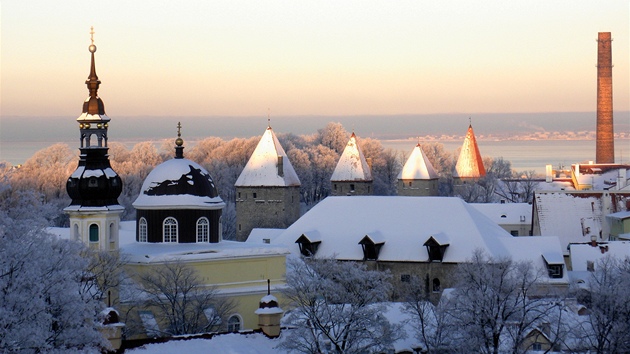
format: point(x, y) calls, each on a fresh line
point(335, 186)
point(436, 249)
point(239, 195)
point(75, 232)
point(371, 248)
point(436, 285)
point(555, 270)
point(514, 232)
point(537, 346)
point(170, 230)
point(254, 195)
point(590, 266)
point(112, 233)
point(352, 188)
point(142, 230)
point(234, 323)
point(410, 184)
point(203, 230)
point(405, 278)
point(93, 233)
point(308, 247)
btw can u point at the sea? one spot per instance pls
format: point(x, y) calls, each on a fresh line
point(528, 141)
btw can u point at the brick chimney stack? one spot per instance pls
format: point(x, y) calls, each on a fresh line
point(605, 145)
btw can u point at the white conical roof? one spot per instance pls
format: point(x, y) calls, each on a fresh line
point(262, 168)
point(469, 163)
point(352, 165)
point(418, 166)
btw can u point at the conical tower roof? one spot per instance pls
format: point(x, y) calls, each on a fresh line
point(418, 166)
point(268, 166)
point(352, 165)
point(469, 163)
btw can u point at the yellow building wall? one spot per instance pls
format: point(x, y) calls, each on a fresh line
point(243, 279)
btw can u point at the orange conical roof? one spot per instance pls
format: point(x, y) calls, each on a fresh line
point(469, 163)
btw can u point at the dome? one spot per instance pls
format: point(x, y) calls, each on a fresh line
point(179, 184)
point(94, 183)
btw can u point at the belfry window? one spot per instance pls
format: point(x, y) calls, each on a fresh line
point(203, 230)
point(170, 230)
point(94, 233)
point(142, 230)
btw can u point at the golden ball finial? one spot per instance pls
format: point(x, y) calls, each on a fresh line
point(179, 141)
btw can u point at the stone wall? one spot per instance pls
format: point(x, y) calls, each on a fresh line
point(266, 207)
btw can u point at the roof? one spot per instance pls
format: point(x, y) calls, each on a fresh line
point(262, 169)
point(583, 253)
point(178, 184)
point(405, 224)
point(418, 166)
point(352, 165)
point(573, 217)
point(143, 252)
point(506, 213)
point(469, 163)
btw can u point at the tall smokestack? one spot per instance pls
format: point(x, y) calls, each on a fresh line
point(605, 145)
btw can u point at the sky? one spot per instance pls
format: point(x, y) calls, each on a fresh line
point(294, 57)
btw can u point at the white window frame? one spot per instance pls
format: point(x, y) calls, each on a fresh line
point(170, 226)
point(142, 230)
point(203, 229)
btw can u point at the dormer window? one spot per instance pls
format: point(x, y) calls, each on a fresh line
point(555, 264)
point(371, 247)
point(308, 245)
point(436, 247)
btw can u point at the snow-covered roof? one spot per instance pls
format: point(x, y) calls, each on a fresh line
point(506, 213)
point(573, 217)
point(405, 224)
point(178, 184)
point(621, 215)
point(352, 165)
point(418, 166)
point(262, 168)
point(469, 163)
point(259, 235)
point(582, 254)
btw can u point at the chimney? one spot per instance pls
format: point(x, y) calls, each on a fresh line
point(605, 145)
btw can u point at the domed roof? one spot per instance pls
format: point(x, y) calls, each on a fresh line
point(179, 184)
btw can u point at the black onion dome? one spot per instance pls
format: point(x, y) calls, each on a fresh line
point(94, 183)
point(179, 183)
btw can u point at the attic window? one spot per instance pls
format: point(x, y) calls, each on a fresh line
point(436, 249)
point(555, 264)
point(371, 248)
point(308, 247)
point(555, 270)
point(503, 216)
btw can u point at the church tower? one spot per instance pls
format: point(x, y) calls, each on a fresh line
point(469, 164)
point(353, 174)
point(94, 186)
point(418, 177)
point(267, 190)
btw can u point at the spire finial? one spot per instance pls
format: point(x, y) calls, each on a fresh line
point(179, 142)
point(470, 121)
point(92, 47)
point(268, 117)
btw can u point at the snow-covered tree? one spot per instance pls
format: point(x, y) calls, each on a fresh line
point(180, 299)
point(495, 303)
point(607, 328)
point(333, 136)
point(43, 305)
point(337, 305)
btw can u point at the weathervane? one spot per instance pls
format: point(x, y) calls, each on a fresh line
point(268, 117)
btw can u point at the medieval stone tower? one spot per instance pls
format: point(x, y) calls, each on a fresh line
point(469, 164)
point(94, 186)
point(605, 145)
point(418, 177)
point(353, 174)
point(268, 189)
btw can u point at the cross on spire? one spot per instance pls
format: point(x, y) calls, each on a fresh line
point(92, 34)
point(179, 129)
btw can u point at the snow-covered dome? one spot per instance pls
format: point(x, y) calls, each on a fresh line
point(180, 184)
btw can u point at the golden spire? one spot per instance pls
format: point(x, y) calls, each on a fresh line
point(93, 105)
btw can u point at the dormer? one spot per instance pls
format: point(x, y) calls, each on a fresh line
point(371, 244)
point(555, 264)
point(436, 247)
point(309, 244)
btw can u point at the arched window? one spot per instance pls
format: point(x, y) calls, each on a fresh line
point(142, 230)
point(170, 229)
point(203, 229)
point(234, 323)
point(436, 285)
point(93, 233)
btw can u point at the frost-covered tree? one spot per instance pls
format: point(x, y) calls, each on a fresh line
point(181, 300)
point(333, 136)
point(43, 303)
point(337, 305)
point(495, 303)
point(607, 328)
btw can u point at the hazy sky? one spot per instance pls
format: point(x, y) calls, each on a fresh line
point(340, 57)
